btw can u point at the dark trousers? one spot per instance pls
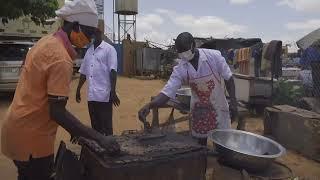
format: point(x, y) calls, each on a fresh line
point(101, 117)
point(35, 168)
point(202, 141)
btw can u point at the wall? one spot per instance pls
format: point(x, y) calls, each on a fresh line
point(119, 49)
point(129, 56)
point(296, 129)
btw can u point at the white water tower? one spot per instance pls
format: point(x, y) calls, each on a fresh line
point(126, 10)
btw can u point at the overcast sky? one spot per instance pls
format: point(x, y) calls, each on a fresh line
point(163, 20)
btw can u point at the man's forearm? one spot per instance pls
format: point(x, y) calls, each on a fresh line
point(78, 129)
point(69, 122)
point(231, 88)
point(82, 80)
point(113, 78)
point(158, 101)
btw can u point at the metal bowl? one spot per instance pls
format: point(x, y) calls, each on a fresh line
point(246, 150)
point(184, 96)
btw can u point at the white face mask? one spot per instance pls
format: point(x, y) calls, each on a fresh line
point(187, 55)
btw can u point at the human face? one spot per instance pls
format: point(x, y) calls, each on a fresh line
point(80, 36)
point(187, 55)
point(88, 31)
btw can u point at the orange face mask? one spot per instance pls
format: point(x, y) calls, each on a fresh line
point(79, 39)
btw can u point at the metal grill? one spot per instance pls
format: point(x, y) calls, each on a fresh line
point(9, 69)
point(306, 77)
point(149, 148)
point(315, 68)
point(143, 157)
point(139, 147)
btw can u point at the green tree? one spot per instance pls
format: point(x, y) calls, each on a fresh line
point(38, 10)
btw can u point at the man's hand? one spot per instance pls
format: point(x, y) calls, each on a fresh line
point(143, 113)
point(82, 80)
point(110, 144)
point(233, 108)
point(114, 98)
point(78, 96)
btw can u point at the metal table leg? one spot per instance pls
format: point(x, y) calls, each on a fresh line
point(155, 118)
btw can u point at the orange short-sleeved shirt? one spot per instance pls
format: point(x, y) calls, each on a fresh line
point(28, 129)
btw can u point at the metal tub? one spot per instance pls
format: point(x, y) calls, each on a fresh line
point(184, 96)
point(245, 150)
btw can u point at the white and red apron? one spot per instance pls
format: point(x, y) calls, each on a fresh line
point(209, 107)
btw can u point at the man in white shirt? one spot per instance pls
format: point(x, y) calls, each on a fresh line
point(203, 70)
point(99, 68)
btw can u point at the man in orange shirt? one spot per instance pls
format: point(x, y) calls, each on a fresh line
point(38, 108)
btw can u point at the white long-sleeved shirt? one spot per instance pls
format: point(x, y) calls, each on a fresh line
point(179, 75)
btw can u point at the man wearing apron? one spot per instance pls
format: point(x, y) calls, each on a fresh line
point(203, 70)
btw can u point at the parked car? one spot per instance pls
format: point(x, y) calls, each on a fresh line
point(12, 55)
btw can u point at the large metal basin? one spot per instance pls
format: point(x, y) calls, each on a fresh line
point(184, 96)
point(246, 150)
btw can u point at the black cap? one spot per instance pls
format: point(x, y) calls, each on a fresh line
point(184, 41)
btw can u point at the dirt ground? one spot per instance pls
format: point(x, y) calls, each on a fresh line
point(134, 94)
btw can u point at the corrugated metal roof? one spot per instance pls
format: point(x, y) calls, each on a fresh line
point(307, 40)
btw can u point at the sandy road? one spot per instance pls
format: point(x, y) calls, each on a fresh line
point(134, 94)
